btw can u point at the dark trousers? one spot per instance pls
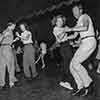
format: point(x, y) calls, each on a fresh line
point(67, 54)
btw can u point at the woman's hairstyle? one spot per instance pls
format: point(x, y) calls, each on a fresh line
point(25, 24)
point(54, 20)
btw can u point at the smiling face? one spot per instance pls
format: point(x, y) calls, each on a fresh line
point(22, 27)
point(77, 11)
point(59, 22)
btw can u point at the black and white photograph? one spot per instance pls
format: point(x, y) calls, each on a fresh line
point(49, 50)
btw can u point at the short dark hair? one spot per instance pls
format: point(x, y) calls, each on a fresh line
point(78, 4)
point(11, 21)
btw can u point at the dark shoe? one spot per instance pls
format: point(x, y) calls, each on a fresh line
point(36, 77)
point(3, 87)
point(90, 90)
point(74, 92)
point(27, 78)
point(17, 84)
point(82, 92)
point(77, 92)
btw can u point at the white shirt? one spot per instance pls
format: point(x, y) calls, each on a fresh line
point(90, 31)
point(26, 37)
point(60, 34)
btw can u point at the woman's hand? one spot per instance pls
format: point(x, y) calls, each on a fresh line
point(67, 29)
point(17, 34)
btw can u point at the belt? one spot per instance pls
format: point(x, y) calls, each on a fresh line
point(64, 42)
point(28, 44)
point(5, 45)
point(87, 37)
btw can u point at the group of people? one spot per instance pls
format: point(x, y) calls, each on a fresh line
point(8, 54)
point(72, 62)
point(86, 46)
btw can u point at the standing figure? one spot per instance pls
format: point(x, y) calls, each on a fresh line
point(87, 46)
point(60, 34)
point(43, 51)
point(6, 56)
point(29, 52)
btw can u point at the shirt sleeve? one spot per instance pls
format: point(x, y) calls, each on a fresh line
point(56, 32)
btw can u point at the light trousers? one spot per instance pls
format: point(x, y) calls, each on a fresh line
point(78, 71)
point(28, 61)
point(7, 61)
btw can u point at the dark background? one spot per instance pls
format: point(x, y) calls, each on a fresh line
point(41, 27)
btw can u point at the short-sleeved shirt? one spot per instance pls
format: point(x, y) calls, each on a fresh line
point(8, 39)
point(59, 33)
point(27, 35)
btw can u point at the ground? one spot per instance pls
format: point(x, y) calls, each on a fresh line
point(46, 87)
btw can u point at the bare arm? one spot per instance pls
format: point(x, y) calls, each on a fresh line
point(73, 36)
point(15, 39)
point(22, 37)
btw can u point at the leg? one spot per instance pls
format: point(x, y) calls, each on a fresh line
point(2, 74)
point(11, 70)
point(34, 72)
point(26, 61)
point(32, 64)
point(26, 67)
point(43, 64)
point(76, 76)
point(15, 62)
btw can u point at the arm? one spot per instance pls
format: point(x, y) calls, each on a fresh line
point(73, 36)
point(23, 37)
point(15, 39)
point(18, 35)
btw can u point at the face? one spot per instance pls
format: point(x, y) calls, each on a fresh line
point(12, 27)
point(22, 27)
point(59, 22)
point(76, 12)
point(43, 45)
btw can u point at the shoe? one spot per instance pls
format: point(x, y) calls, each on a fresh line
point(66, 85)
point(17, 84)
point(36, 77)
point(77, 92)
point(90, 90)
point(82, 92)
point(27, 78)
point(2, 87)
point(98, 71)
point(11, 84)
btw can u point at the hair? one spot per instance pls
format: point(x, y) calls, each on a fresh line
point(78, 4)
point(43, 44)
point(54, 20)
point(25, 24)
point(10, 22)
